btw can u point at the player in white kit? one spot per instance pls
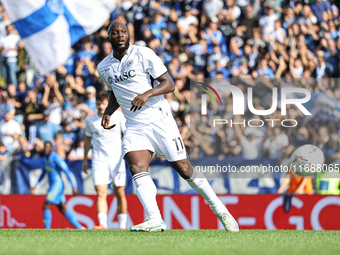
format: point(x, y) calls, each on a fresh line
point(129, 73)
point(107, 163)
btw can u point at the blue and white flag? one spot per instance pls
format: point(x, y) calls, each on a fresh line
point(50, 27)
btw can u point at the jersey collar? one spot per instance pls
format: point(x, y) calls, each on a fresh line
point(126, 54)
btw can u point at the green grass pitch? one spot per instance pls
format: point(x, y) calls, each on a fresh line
point(83, 242)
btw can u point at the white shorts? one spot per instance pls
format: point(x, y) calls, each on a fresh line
point(161, 137)
point(106, 172)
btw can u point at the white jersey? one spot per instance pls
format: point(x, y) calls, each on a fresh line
point(131, 77)
point(106, 144)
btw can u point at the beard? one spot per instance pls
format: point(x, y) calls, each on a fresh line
point(121, 50)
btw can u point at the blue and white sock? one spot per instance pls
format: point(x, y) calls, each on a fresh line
point(72, 219)
point(47, 218)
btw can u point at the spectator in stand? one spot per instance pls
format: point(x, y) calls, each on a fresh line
point(89, 105)
point(70, 63)
point(279, 34)
point(86, 62)
point(219, 70)
point(264, 70)
point(107, 49)
point(211, 8)
point(235, 56)
point(250, 140)
point(5, 104)
point(17, 101)
point(9, 46)
point(172, 25)
point(267, 22)
point(46, 129)
point(10, 132)
point(24, 148)
point(307, 17)
point(3, 152)
point(321, 68)
point(192, 37)
point(213, 36)
point(331, 56)
point(234, 11)
point(157, 24)
point(22, 90)
point(76, 84)
point(4, 23)
point(68, 94)
point(319, 7)
point(69, 136)
point(276, 143)
point(249, 22)
point(183, 23)
point(73, 112)
point(216, 57)
point(33, 114)
point(53, 100)
point(77, 152)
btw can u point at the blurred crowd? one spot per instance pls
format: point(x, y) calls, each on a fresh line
point(243, 39)
point(273, 136)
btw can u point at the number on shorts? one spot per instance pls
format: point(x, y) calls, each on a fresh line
point(180, 141)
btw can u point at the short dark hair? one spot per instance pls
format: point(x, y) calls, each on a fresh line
point(48, 142)
point(102, 95)
point(109, 29)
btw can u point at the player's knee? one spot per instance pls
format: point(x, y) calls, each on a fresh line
point(101, 194)
point(46, 206)
point(138, 168)
point(62, 208)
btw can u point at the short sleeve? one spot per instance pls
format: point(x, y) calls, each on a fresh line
point(153, 64)
point(104, 80)
point(88, 131)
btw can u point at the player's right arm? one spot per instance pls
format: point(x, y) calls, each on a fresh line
point(87, 147)
point(110, 109)
point(87, 140)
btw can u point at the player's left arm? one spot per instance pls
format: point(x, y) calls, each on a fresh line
point(40, 179)
point(166, 85)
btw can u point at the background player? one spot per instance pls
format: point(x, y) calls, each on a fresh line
point(53, 164)
point(107, 162)
point(128, 73)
